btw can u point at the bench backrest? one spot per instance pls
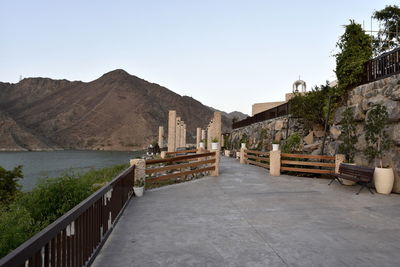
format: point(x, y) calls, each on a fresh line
point(362, 172)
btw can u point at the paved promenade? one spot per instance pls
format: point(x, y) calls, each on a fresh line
point(245, 217)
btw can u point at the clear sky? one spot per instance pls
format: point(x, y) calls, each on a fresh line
point(226, 54)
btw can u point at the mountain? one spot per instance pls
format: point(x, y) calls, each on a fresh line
point(117, 111)
point(232, 115)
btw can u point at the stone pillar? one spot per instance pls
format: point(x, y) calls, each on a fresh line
point(217, 126)
point(182, 128)
point(216, 164)
point(198, 137)
point(178, 132)
point(339, 158)
point(140, 172)
point(161, 136)
point(184, 135)
point(203, 135)
point(242, 158)
point(171, 131)
point(222, 140)
point(209, 132)
point(275, 163)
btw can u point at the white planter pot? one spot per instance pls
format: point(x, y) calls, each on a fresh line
point(214, 146)
point(138, 191)
point(227, 153)
point(275, 147)
point(201, 144)
point(383, 179)
point(243, 145)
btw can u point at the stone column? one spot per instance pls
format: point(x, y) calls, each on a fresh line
point(217, 127)
point(140, 172)
point(339, 158)
point(222, 140)
point(161, 136)
point(209, 132)
point(184, 135)
point(242, 158)
point(203, 135)
point(216, 164)
point(198, 137)
point(171, 131)
point(275, 163)
point(178, 132)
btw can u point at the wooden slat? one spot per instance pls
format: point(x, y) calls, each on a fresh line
point(180, 166)
point(307, 170)
point(256, 152)
point(179, 152)
point(180, 158)
point(179, 174)
point(303, 156)
point(252, 162)
point(308, 163)
point(255, 157)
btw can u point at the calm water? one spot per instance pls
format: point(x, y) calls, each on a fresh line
point(51, 164)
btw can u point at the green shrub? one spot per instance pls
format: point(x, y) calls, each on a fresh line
point(348, 135)
point(292, 143)
point(9, 186)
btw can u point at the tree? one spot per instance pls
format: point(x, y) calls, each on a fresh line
point(9, 186)
point(355, 49)
point(348, 135)
point(375, 134)
point(389, 21)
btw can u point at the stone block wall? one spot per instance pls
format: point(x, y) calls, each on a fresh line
point(361, 99)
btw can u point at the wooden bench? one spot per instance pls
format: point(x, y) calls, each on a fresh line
point(359, 174)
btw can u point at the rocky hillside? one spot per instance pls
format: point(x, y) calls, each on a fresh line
point(118, 111)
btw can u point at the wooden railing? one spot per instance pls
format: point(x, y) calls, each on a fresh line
point(75, 238)
point(307, 163)
point(278, 111)
point(181, 152)
point(180, 166)
point(382, 67)
point(257, 158)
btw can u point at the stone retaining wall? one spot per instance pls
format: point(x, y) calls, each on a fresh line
point(386, 91)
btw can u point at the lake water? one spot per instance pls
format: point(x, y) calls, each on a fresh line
point(52, 164)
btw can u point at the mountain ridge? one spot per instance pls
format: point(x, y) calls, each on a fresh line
point(116, 111)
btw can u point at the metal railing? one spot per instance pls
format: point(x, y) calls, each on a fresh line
point(382, 66)
point(75, 238)
point(278, 111)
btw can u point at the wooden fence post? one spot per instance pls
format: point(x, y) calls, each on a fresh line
point(275, 163)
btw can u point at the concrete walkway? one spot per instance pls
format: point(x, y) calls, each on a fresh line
point(247, 218)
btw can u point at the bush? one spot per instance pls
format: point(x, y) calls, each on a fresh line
point(348, 135)
point(49, 200)
point(9, 186)
point(292, 144)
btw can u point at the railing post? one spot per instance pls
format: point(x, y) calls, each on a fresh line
point(216, 164)
point(242, 154)
point(163, 154)
point(339, 158)
point(140, 171)
point(275, 163)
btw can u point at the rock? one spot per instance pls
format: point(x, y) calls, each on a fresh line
point(309, 139)
point(278, 136)
point(317, 127)
point(338, 117)
point(393, 108)
point(394, 133)
point(332, 148)
point(361, 144)
point(311, 147)
point(279, 125)
point(335, 132)
point(360, 159)
point(318, 134)
point(358, 113)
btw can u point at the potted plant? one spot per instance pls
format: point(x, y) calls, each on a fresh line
point(377, 143)
point(214, 143)
point(349, 138)
point(275, 145)
point(138, 187)
point(202, 144)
